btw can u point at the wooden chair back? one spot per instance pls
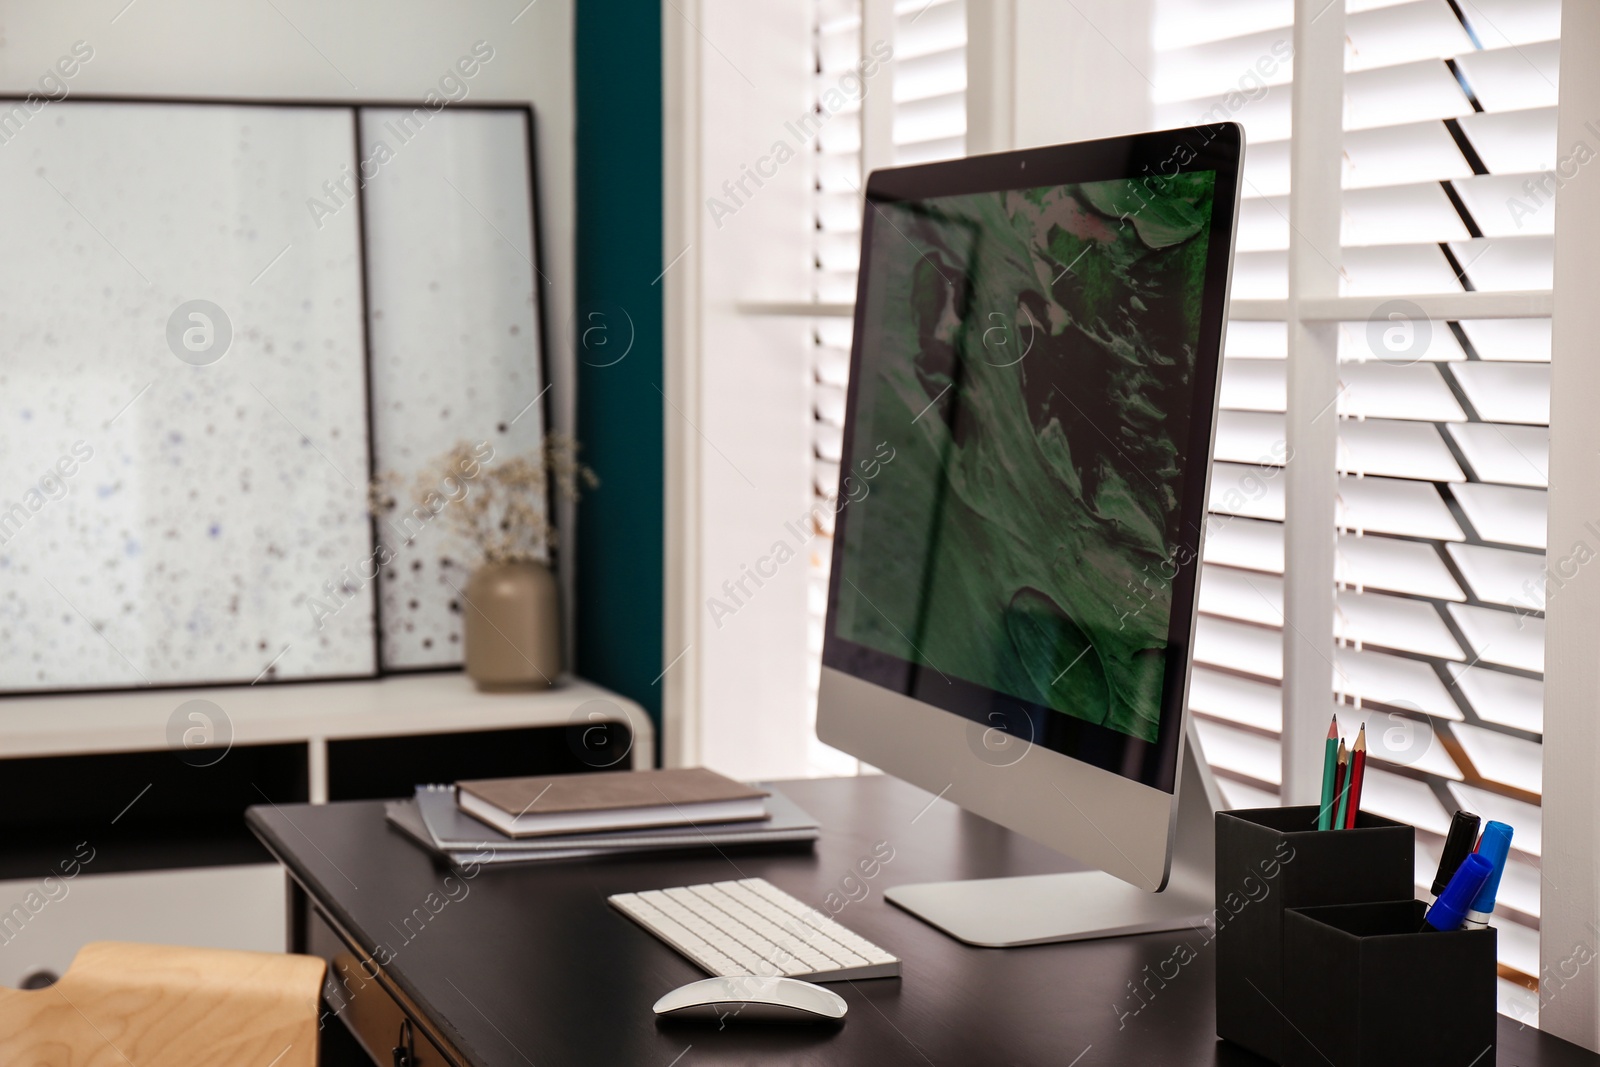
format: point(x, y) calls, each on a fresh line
point(121, 1004)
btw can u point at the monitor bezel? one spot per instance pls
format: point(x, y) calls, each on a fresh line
point(1216, 147)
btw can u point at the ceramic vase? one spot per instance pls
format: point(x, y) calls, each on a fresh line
point(512, 622)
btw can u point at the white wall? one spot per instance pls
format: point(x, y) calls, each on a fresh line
point(348, 50)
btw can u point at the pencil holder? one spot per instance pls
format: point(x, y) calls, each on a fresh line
point(1364, 988)
point(1268, 861)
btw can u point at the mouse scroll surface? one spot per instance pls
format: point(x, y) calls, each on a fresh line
point(753, 998)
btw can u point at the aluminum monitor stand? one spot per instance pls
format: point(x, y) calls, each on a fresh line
point(1041, 908)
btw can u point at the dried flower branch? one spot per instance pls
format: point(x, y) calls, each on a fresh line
point(501, 510)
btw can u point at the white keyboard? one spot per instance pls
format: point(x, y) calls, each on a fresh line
point(750, 926)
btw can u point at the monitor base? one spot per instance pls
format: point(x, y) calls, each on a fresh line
point(1041, 908)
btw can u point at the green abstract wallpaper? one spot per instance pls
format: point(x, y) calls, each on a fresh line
point(1033, 372)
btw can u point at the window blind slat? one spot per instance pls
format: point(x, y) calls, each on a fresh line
point(1256, 340)
point(1253, 385)
point(1399, 341)
point(1266, 165)
point(1506, 263)
point(1499, 23)
point(1502, 576)
point(1507, 392)
point(1502, 636)
point(1253, 650)
point(935, 118)
point(1393, 155)
point(1393, 622)
point(1214, 67)
point(1263, 224)
point(1510, 340)
point(1498, 697)
point(1260, 276)
point(1249, 543)
point(1394, 565)
point(1239, 489)
point(1184, 23)
point(1514, 455)
point(1376, 390)
point(1264, 121)
point(1391, 96)
point(1394, 506)
point(1243, 595)
point(1502, 758)
point(929, 76)
point(1400, 214)
point(1240, 751)
point(1412, 744)
point(1403, 33)
point(1249, 437)
point(1405, 800)
point(1503, 206)
point(1399, 449)
point(1513, 142)
point(1410, 268)
point(1240, 700)
point(1395, 681)
point(922, 28)
point(1510, 79)
point(1504, 513)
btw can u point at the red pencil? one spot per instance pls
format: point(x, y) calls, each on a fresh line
point(1358, 769)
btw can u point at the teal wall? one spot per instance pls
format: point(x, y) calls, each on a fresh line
point(619, 549)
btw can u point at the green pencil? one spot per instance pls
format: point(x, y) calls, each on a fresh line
point(1329, 763)
point(1344, 786)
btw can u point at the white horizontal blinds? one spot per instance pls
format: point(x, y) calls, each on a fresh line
point(1232, 61)
point(1449, 146)
point(837, 244)
point(930, 80)
point(923, 90)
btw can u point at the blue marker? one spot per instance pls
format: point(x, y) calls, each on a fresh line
point(1450, 909)
point(1494, 846)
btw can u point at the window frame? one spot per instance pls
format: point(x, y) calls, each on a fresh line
point(1313, 310)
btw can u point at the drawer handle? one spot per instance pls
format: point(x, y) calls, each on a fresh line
point(405, 1054)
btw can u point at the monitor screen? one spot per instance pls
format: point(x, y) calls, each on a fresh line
point(1025, 457)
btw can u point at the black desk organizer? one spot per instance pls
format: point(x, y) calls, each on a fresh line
point(1366, 989)
point(1321, 961)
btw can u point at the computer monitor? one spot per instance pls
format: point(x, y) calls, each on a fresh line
point(1033, 392)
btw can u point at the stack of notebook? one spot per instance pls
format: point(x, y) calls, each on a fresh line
point(504, 820)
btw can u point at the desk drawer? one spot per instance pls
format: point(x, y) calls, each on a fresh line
point(357, 993)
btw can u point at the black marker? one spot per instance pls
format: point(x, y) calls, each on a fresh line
point(1458, 846)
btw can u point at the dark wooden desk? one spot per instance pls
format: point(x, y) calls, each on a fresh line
point(529, 965)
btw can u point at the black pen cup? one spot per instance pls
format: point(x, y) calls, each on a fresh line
point(1270, 860)
point(1364, 988)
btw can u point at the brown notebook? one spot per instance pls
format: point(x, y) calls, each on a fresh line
point(609, 800)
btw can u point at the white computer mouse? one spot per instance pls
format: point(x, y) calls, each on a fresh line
point(748, 997)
